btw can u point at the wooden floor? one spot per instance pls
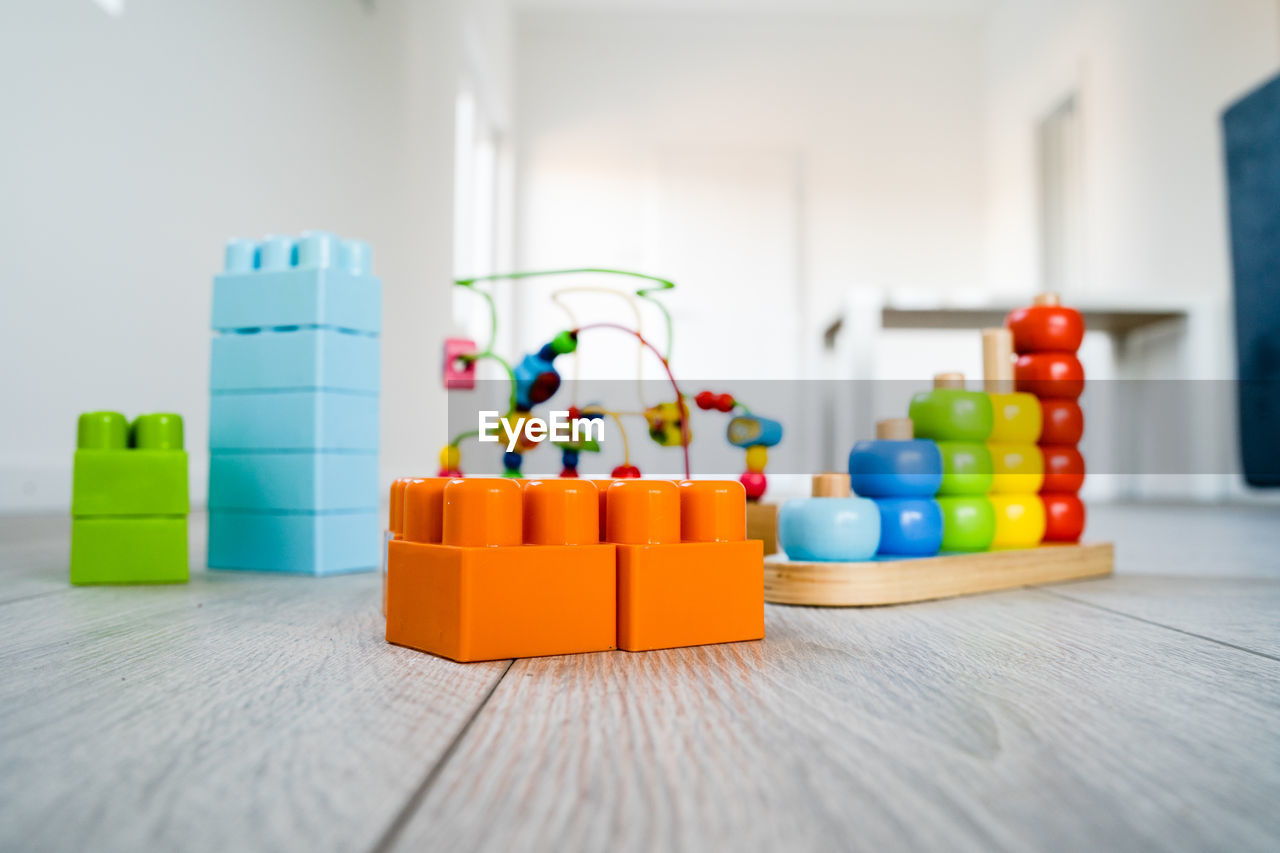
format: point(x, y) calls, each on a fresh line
point(250, 712)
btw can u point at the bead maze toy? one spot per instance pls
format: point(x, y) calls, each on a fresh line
point(129, 500)
point(493, 568)
point(293, 421)
point(976, 491)
point(535, 380)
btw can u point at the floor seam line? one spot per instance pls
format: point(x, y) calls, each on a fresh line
point(1153, 623)
point(401, 820)
point(32, 595)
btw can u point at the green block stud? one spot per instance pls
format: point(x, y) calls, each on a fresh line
point(128, 550)
point(156, 432)
point(102, 431)
point(132, 470)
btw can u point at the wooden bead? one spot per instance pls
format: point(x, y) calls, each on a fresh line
point(1062, 422)
point(755, 483)
point(1063, 469)
point(1046, 328)
point(1050, 374)
point(450, 457)
point(757, 458)
point(1064, 518)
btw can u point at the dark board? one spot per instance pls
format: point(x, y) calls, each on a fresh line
point(1252, 131)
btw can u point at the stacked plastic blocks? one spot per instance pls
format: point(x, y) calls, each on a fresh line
point(129, 500)
point(484, 569)
point(293, 422)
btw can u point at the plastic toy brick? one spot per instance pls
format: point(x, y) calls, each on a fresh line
point(129, 500)
point(487, 569)
point(303, 359)
point(299, 482)
point(316, 280)
point(293, 420)
point(129, 469)
point(136, 550)
point(294, 543)
point(687, 575)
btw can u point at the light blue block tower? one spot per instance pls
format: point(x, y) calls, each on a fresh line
point(293, 420)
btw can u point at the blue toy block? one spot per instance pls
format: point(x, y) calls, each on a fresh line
point(295, 543)
point(317, 280)
point(311, 358)
point(297, 482)
point(293, 420)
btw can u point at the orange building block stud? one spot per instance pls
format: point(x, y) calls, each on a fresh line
point(486, 569)
point(687, 575)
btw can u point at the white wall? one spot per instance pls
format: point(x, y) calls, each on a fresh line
point(883, 119)
point(133, 147)
point(847, 149)
point(1152, 78)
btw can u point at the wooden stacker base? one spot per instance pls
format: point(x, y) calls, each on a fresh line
point(901, 581)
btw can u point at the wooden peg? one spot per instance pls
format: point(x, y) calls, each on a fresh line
point(831, 485)
point(895, 429)
point(997, 361)
point(1047, 299)
point(949, 380)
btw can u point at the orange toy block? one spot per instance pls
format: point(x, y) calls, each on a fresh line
point(687, 575)
point(485, 569)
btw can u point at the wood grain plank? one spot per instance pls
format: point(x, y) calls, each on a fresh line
point(1243, 612)
point(35, 554)
point(1010, 721)
point(238, 712)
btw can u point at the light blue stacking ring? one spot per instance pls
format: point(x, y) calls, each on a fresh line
point(829, 529)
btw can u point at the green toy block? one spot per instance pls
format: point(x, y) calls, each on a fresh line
point(129, 500)
point(133, 470)
point(128, 550)
point(130, 482)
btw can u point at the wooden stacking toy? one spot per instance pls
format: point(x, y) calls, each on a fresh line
point(1003, 465)
point(1046, 336)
